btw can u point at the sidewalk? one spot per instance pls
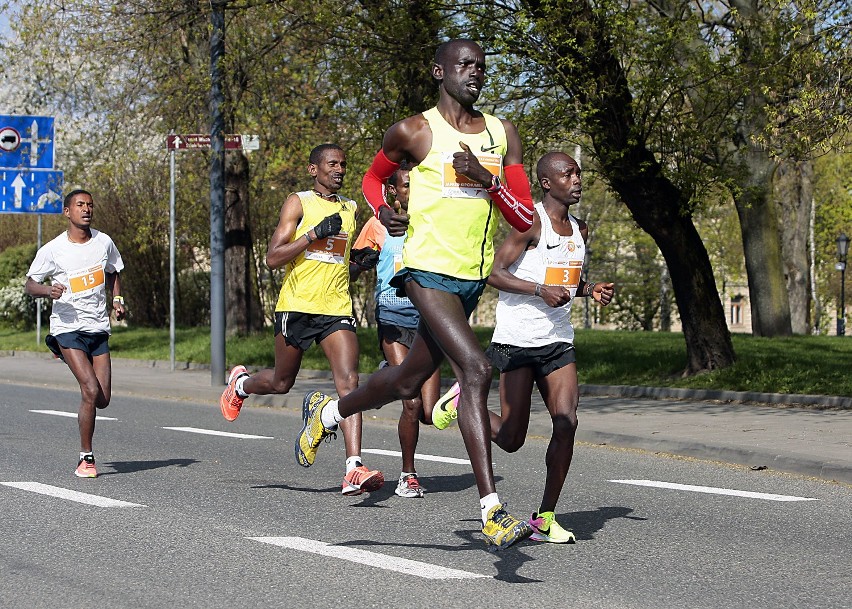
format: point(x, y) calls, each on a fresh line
point(802, 440)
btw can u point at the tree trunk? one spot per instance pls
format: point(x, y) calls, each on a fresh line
point(665, 303)
point(656, 204)
point(794, 194)
point(596, 80)
point(770, 307)
point(243, 312)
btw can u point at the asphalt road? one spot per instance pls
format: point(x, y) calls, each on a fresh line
point(222, 521)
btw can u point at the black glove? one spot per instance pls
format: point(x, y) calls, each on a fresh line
point(329, 226)
point(365, 257)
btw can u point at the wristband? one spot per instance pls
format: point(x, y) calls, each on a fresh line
point(308, 237)
point(118, 299)
point(590, 287)
point(538, 289)
point(495, 184)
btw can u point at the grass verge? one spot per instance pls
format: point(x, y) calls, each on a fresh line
point(815, 365)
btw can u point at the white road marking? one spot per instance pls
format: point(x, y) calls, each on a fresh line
point(73, 415)
point(213, 432)
point(372, 559)
point(715, 491)
point(64, 493)
point(396, 453)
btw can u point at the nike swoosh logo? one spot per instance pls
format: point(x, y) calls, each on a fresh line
point(483, 148)
point(550, 247)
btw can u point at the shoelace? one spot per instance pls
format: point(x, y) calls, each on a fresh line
point(502, 518)
point(412, 482)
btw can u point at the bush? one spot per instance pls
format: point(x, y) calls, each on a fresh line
point(15, 262)
point(17, 309)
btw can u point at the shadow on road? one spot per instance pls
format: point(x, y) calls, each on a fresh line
point(129, 467)
point(586, 524)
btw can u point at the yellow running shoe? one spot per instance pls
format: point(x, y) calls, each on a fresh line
point(545, 528)
point(313, 431)
point(446, 408)
point(502, 530)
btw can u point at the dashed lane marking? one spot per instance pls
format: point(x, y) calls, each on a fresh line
point(213, 432)
point(715, 491)
point(418, 456)
point(73, 415)
point(64, 493)
point(371, 559)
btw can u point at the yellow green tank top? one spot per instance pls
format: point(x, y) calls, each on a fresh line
point(317, 281)
point(452, 221)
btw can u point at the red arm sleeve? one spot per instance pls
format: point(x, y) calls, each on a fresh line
point(374, 180)
point(514, 198)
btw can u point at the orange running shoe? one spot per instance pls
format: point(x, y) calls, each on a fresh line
point(86, 467)
point(362, 479)
point(230, 402)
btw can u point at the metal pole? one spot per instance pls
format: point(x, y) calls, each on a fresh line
point(172, 281)
point(38, 300)
point(217, 197)
point(841, 320)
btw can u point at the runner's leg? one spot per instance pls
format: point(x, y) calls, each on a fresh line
point(561, 395)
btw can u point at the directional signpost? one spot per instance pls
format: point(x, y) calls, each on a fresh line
point(28, 182)
point(24, 191)
point(197, 141)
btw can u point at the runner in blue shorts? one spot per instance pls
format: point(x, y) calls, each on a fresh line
point(397, 320)
point(82, 264)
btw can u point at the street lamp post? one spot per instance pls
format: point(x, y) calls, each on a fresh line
point(842, 250)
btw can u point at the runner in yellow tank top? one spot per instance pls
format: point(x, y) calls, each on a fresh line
point(463, 247)
point(317, 280)
point(448, 255)
point(312, 242)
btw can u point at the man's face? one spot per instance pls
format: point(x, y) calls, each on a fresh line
point(330, 170)
point(80, 210)
point(463, 72)
point(564, 181)
point(402, 189)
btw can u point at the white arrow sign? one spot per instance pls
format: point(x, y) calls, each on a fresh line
point(48, 198)
point(18, 186)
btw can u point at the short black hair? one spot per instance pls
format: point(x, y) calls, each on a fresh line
point(77, 191)
point(444, 48)
point(316, 153)
point(404, 166)
point(544, 167)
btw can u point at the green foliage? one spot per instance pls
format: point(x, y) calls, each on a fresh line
point(15, 261)
point(17, 309)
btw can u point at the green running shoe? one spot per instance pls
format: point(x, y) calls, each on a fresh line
point(446, 408)
point(545, 528)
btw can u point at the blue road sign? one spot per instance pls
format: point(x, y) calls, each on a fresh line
point(26, 142)
point(31, 192)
